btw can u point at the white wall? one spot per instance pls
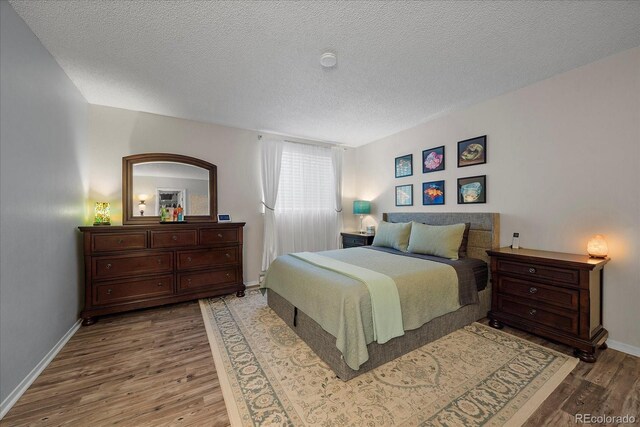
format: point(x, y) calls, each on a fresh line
point(43, 184)
point(563, 164)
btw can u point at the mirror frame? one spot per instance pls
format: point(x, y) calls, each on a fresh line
point(127, 187)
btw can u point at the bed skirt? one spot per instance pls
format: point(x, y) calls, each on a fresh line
point(324, 344)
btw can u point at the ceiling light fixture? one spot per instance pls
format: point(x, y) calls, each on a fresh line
point(328, 60)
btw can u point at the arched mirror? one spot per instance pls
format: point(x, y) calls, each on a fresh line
point(156, 180)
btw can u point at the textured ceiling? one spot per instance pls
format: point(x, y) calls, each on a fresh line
point(255, 65)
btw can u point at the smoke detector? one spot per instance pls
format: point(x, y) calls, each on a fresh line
point(328, 60)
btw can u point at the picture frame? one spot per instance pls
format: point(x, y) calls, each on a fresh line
point(404, 195)
point(472, 151)
point(404, 166)
point(433, 159)
point(433, 193)
point(472, 190)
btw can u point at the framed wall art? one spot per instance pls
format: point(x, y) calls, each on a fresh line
point(433, 193)
point(404, 195)
point(472, 151)
point(472, 189)
point(433, 160)
point(404, 166)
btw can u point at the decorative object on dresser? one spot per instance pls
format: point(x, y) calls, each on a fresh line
point(597, 247)
point(551, 294)
point(362, 208)
point(352, 240)
point(131, 267)
point(102, 212)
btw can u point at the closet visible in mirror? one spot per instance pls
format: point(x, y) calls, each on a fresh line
point(178, 183)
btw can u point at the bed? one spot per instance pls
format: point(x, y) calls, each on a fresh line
point(351, 350)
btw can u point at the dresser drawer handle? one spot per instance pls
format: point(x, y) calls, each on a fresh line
point(174, 238)
point(220, 235)
point(533, 290)
point(159, 260)
point(109, 291)
point(532, 270)
point(120, 241)
point(108, 266)
point(160, 284)
point(228, 274)
point(532, 312)
point(189, 281)
point(228, 255)
point(189, 259)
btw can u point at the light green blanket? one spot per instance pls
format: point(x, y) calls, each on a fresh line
point(341, 305)
point(385, 302)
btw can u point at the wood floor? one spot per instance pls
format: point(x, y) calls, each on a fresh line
point(154, 367)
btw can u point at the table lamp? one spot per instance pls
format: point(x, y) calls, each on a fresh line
point(102, 214)
point(362, 208)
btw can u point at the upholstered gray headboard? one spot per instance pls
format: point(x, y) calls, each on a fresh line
point(484, 232)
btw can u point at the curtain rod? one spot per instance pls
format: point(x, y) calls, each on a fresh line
point(319, 143)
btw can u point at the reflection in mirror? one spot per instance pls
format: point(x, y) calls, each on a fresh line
point(169, 184)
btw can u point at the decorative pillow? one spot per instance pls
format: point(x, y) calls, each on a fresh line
point(393, 235)
point(439, 240)
point(462, 251)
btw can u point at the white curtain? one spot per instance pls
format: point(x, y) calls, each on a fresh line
point(336, 160)
point(271, 166)
point(306, 205)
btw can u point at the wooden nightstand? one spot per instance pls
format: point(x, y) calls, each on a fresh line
point(351, 240)
point(551, 294)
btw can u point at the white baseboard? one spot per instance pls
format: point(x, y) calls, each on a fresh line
point(17, 392)
point(625, 348)
point(251, 284)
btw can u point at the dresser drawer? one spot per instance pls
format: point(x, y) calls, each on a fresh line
point(565, 321)
point(218, 235)
point(565, 275)
point(190, 282)
point(173, 239)
point(112, 266)
point(118, 241)
point(552, 295)
point(112, 292)
point(207, 258)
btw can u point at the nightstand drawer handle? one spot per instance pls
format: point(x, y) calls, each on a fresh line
point(532, 312)
point(533, 290)
point(532, 270)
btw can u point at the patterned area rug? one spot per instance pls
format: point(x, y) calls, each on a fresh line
point(474, 376)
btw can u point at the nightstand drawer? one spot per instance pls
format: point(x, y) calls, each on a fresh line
point(351, 240)
point(532, 271)
point(552, 295)
point(558, 320)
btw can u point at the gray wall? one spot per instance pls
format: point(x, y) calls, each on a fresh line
point(43, 182)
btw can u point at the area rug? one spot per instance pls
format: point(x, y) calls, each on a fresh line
point(473, 376)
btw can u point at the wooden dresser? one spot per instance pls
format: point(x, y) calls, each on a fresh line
point(135, 266)
point(551, 294)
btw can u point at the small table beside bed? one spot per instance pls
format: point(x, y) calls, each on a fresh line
point(361, 307)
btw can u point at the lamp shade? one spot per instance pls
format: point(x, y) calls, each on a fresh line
point(361, 207)
point(597, 247)
point(102, 214)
